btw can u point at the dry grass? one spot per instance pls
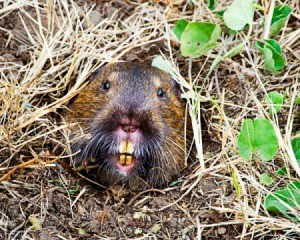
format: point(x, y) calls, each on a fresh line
point(60, 55)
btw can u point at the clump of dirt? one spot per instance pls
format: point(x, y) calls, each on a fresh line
point(71, 207)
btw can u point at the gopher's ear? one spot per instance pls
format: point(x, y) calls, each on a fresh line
point(96, 74)
point(177, 89)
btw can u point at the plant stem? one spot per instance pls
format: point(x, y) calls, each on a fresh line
point(268, 19)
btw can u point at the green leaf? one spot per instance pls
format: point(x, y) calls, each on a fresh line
point(246, 139)
point(138, 231)
point(274, 59)
point(137, 215)
point(176, 182)
point(259, 137)
point(234, 51)
point(75, 190)
point(296, 148)
point(265, 139)
point(220, 14)
point(162, 64)
point(179, 27)
point(285, 201)
point(275, 100)
point(297, 100)
point(239, 13)
point(81, 231)
point(266, 179)
point(296, 186)
point(212, 4)
point(279, 18)
point(198, 38)
point(281, 172)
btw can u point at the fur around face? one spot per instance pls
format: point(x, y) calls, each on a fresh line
point(146, 101)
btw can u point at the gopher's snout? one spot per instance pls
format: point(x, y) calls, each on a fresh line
point(128, 125)
point(131, 122)
point(128, 128)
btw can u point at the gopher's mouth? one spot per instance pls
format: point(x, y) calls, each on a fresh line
point(126, 162)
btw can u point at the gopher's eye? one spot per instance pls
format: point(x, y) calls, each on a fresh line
point(106, 85)
point(160, 92)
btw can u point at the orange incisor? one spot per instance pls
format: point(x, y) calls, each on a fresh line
point(126, 149)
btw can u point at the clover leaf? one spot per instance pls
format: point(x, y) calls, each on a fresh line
point(274, 59)
point(179, 27)
point(138, 215)
point(266, 179)
point(212, 4)
point(239, 13)
point(199, 37)
point(258, 136)
point(285, 201)
point(275, 100)
point(296, 148)
point(281, 171)
point(280, 15)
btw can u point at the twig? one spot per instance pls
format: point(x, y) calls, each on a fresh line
point(269, 16)
point(141, 193)
point(12, 171)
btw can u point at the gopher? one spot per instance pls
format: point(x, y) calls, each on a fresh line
point(129, 120)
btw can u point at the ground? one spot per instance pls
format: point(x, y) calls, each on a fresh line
point(47, 51)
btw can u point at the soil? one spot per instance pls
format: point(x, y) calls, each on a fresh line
point(73, 208)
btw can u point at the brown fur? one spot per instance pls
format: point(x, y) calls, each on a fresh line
point(132, 93)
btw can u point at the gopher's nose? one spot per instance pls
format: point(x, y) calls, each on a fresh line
point(128, 128)
point(129, 125)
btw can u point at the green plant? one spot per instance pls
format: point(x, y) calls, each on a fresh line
point(275, 100)
point(163, 64)
point(297, 99)
point(239, 14)
point(285, 201)
point(258, 136)
point(176, 182)
point(138, 215)
point(266, 179)
point(274, 59)
point(280, 16)
point(179, 27)
point(212, 4)
point(296, 148)
point(281, 171)
point(138, 231)
point(196, 38)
